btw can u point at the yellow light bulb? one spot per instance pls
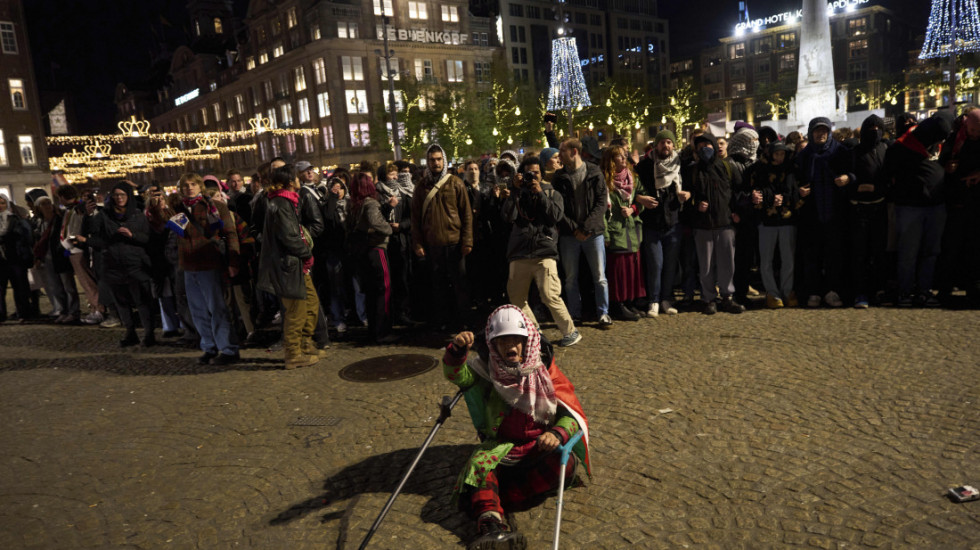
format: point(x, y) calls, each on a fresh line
point(609, 121)
point(517, 111)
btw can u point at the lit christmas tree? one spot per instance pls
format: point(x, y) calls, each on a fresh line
point(954, 28)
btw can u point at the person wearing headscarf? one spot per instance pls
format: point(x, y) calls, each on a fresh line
point(523, 408)
point(776, 198)
point(442, 235)
point(120, 232)
point(868, 215)
point(395, 197)
point(743, 148)
point(916, 184)
point(623, 234)
point(16, 257)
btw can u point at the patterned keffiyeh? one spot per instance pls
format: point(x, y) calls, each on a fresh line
point(526, 387)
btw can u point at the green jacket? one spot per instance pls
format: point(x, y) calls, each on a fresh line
point(624, 234)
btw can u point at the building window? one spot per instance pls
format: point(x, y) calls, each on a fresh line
point(327, 137)
point(533, 12)
point(423, 69)
point(857, 27)
point(323, 103)
point(454, 70)
point(319, 70)
point(857, 71)
point(8, 40)
point(197, 28)
point(516, 10)
point(737, 71)
point(761, 45)
point(255, 96)
point(283, 85)
point(483, 39)
point(786, 40)
point(736, 51)
point(359, 135)
point(315, 32)
point(450, 14)
point(291, 18)
point(352, 68)
point(277, 51)
point(307, 143)
point(395, 74)
point(218, 28)
point(387, 5)
point(17, 93)
point(417, 10)
point(346, 29)
point(482, 69)
point(250, 63)
point(212, 86)
point(787, 62)
point(276, 26)
point(300, 75)
point(357, 102)
point(271, 115)
point(304, 110)
point(286, 109)
point(26, 144)
point(267, 87)
point(762, 67)
point(217, 112)
point(3, 150)
point(204, 116)
point(239, 104)
point(857, 48)
point(738, 89)
point(399, 102)
point(263, 58)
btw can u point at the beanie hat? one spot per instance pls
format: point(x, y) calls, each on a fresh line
point(662, 135)
point(739, 124)
point(547, 154)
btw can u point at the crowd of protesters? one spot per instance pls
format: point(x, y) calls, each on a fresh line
point(879, 216)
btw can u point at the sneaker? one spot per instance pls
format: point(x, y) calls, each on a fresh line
point(495, 535)
point(130, 340)
point(791, 300)
point(301, 361)
point(605, 321)
point(752, 292)
point(654, 310)
point(569, 339)
point(833, 299)
point(110, 322)
point(172, 333)
point(772, 302)
point(813, 301)
point(93, 318)
point(224, 359)
point(729, 305)
point(932, 300)
point(905, 300)
point(861, 302)
point(341, 328)
point(711, 308)
point(206, 357)
point(667, 309)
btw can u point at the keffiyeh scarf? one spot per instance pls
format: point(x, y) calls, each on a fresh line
point(526, 387)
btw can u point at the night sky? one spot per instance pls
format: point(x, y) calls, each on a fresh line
point(91, 47)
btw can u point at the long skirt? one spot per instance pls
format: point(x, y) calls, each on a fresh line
point(625, 274)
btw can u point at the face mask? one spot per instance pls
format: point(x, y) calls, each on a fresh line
point(707, 153)
point(404, 178)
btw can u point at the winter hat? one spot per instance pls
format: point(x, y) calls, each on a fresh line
point(767, 134)
point(211, 181)
point(303, 166)
point(739, 124)
point(934, 129)
point(505, 162)
point(34, 194)
point(745, 143)
point(662, 135)
point(510, 153)
point(591, 146)
point(546, 155)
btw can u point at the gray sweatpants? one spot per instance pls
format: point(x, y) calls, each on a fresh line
point(716, 261)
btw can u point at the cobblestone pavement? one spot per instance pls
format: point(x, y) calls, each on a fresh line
point(828, 429)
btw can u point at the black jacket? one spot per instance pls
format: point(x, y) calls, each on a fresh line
point(913, 179)
point(283, 251)
point(588, 217)
point(124, 258)
point(667, 212)
point(773, 180)
point(534, 218)
point(868, 158)
point(714, 181)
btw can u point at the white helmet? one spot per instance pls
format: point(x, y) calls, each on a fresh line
point(506, 321)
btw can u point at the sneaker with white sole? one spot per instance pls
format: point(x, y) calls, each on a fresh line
point(93, 318)
point(341, 328)
point(654, 310)
point(667, 309)
point(110, 322)
point(833, 299)
point(605, 321)
point(569, 339)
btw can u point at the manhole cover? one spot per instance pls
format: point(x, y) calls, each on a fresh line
point(388, 367)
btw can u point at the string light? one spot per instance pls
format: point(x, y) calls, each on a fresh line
point(954, 28)
point(134, 128)
point(181, 136)
point(567, 87)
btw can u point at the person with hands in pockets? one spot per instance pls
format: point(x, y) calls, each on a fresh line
point(523, 408)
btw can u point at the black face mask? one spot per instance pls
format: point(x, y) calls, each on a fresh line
point(870, 136)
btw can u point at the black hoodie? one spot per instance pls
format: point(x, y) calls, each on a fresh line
point(713, 181)
point(868, 158)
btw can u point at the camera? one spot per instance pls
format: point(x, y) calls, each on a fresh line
point(528, 177)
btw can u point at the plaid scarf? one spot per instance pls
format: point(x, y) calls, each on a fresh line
point(526, 387)
point(214, 217)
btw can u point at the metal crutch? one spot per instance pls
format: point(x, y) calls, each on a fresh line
point(445, 410)
point(566, 449)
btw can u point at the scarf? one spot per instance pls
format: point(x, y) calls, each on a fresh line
point(389, 189)
point(526, 387)
point(405, 184)
point(910, 142)
point(5, 218)
point(293, 198)
point(666, 171)
point(623, 181)
point(214, 217)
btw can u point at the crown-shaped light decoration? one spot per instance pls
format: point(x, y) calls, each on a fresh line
point(139, 160)
point(260, 124)
point(98, 150)
point(75, 158)
point(207, 143)
point(169, 153)
point(134, 128)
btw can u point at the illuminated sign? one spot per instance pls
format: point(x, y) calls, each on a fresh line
point(424, 36)
point(794, 16)
point(187, 97)
point(598, 59)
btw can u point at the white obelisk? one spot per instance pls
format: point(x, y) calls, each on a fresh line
point(815, 92)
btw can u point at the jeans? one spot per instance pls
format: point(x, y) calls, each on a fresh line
point(822, 246)
point(716, 261)
point(661, 250)
point(207, 304)
point(869, 233)
point(785, 237)
point(569, 249)
point(920, 234)
point(334, 269)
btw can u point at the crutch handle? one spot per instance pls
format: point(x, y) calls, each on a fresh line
point(567, 447)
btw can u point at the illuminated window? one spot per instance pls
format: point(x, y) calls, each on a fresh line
point(417, 10)
point(857, 27)
point(287, 114)
point(787, 62)
point(346, 29)
point(359, 135)
point(357, 102)
point(8, 40)
point(239, 104)
point(3, 150)
point(26, 144)
point(738, 89)
point(387, 6)
point(17, 93)
point(291, 18)
point(319, 70)
point(394, 69)
point(857, 48)
point(323, 103)
point(300, 77)
point(303, 106)
point(454, 70)
point(204, 116)
point(263, 58)
point(315, 32)
point(786, 40)
point(277, 51)
point(399, 101)
point(218, 29)
point(267, 87)
point(217, 112)
point(276, 27)
point(352, 68)
point(197, 28)
point(736, 51)
point(250, 63)
point(327, 132)
point(450, 14)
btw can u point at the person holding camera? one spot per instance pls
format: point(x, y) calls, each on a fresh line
point(74, 241)
point(533, 209)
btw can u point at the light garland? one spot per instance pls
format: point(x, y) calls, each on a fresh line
point(954, 28)
point(134, 128)
point(180, 136)
point(566, 89)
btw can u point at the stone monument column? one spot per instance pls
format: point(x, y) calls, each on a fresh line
point(815, 92)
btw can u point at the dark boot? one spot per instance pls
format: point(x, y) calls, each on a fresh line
point(130, 340)
point(495, 535)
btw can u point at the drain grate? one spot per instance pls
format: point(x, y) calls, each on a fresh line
point(388, 368)
point(316, 421)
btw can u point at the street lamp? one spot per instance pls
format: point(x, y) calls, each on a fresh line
point(391, 85)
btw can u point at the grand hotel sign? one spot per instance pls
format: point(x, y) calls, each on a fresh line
point(794, 16)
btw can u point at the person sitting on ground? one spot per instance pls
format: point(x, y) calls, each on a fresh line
point(523, 408)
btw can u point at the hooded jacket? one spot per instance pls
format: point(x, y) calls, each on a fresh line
point(772, 180)
point(868, 159)
point(124, 258)
point(587, 217)
point(449, 219)
point(818, 166)
point(667, 212)
point(713, 181)
point(283, 251)
point(913, 177)
point(534, 221)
